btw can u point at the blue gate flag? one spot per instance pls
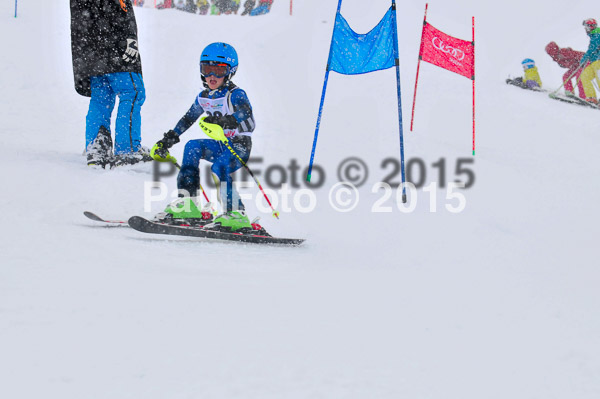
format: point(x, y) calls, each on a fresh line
point(353, 53)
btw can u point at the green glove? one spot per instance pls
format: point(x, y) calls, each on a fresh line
point(160, 154)
point(160, 151)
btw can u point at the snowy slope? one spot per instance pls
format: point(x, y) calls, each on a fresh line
point(496, 301)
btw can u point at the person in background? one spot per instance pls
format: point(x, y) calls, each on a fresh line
point(592, 56)
point(568, 58)
point(107, 65)
point(532, 77)
point(264, 7)
point(190, 6)
point(165, 4)
point(235, 6)
point(225, 6)
point(214, 9)
point(203, 6)
point(248, 6)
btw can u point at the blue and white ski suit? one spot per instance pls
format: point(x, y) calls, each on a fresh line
point(228, 100)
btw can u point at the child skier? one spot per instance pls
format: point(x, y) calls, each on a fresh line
point(592, 56)
point(531, 80)
point(568, 58)
point(227, 106)
point(532, 76)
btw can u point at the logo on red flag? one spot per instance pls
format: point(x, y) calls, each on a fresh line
point(447, 52)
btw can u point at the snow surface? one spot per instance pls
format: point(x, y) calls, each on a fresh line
point(498, 301)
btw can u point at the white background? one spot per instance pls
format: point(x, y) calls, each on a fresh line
point(498, 301)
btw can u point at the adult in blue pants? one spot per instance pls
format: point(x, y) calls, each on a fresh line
point(129, 87)
point(107, 65)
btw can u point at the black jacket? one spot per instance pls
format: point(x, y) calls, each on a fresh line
point(99, 33)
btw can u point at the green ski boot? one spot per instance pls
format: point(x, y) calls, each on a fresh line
point(233, 221)
point(185, 211)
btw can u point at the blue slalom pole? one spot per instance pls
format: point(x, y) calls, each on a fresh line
point(314, 147)
point(16, 8)
point(397, 57)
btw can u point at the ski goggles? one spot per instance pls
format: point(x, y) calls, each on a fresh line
point(219, 70)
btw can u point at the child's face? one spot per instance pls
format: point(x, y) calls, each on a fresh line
point(214, 82)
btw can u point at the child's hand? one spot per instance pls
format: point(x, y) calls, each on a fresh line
point(161, 154)
point(212, 130)
point(170, 139)
point(226, 121)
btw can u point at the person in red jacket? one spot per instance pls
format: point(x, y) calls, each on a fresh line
point(166, 4)
point(568, 58)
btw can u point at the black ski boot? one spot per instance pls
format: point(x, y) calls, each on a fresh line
point(99, 152)
point(131, 158)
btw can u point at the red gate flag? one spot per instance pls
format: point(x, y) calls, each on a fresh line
point(447, 52)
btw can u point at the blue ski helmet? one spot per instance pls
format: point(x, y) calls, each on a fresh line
point(528, 63)
point(219, 53)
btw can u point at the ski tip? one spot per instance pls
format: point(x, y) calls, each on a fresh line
point(136, 221)
point(92, 216)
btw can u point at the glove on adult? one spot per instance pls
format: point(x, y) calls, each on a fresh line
point(131, 52)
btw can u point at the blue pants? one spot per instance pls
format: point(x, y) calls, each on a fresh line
point(260, 10)
point(224, 163)
point(129, 87)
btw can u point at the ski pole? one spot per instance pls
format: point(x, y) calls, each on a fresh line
point(579, 78)
point(216, 133)
point(565, 81)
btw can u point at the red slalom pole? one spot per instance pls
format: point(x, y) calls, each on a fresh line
point(412, 118)
point(291, 1)
point(275, 213)
point(473, 22)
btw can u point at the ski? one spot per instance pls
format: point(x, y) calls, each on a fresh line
point(96, 218)
point(167, 221)
point(519, 84)
point(565, 99)
point(573, 100)
point(146, 226)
